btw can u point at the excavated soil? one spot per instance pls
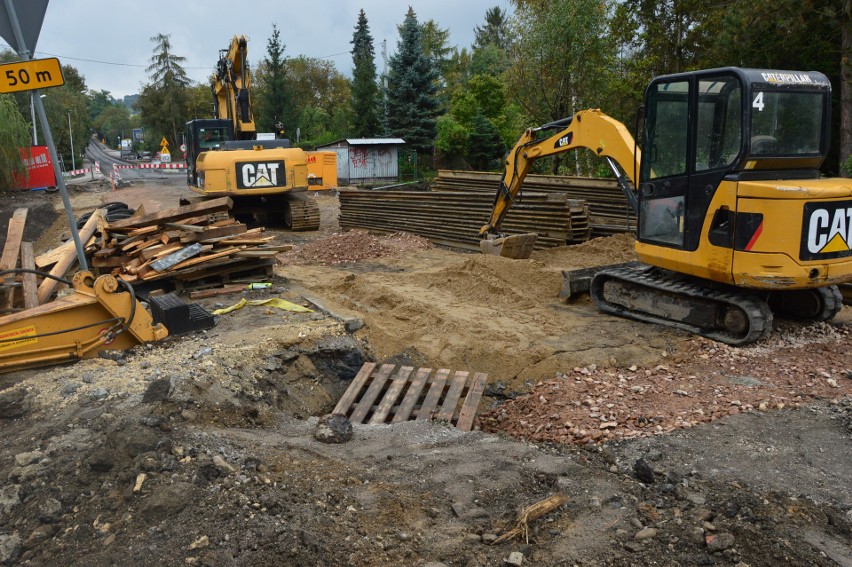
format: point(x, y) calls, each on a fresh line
point(200, 449)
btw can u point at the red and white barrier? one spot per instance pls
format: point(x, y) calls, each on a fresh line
point(77, 172)
point(161, 166)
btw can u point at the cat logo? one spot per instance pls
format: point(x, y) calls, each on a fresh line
point(564, 140)
point(260, 174)
point(827, 231)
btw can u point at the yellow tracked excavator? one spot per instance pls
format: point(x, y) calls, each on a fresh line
point(224, 158)
point(735, 222)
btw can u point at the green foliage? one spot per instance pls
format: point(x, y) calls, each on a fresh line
point(489, 94)
point(365, 90)
point(495, 32)
point(452, 137)
point(412, 102)
point(13, 135)
point(275, 108)
point(316, 83)
point(163, 102)
point(114, 122)
point(485, 147)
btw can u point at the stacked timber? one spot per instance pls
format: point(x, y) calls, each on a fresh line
point(185, 244)
point(453, 218)
point(608, 209)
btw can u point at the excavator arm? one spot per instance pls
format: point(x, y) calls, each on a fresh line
point(231, 86)
point(590, 129)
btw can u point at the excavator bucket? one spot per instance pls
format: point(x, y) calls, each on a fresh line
point(516, 246)
point(96, 316)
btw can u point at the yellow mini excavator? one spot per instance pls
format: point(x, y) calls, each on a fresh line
point(224, 158)
point(734, 220)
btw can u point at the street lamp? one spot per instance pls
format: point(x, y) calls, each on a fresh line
point(71, 134)
point(32, 115)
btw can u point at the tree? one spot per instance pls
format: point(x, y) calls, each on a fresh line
point(275, 105)
point(560, 62)
point(365, 89)
point(495, 31)
point(411, 94)
point(318, 84)
point(13, 135)
point(485, 146)
point(162, 102)
point(435, 42)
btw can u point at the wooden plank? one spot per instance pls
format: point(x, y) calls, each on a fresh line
point(471, 402)
point(373, 391)
point(48, 286)
point(216, 232)
point(354, 388)
point(452, 397)
point(109, 261)
point(412, 395)
point(172, 215)
point(397, 384)
point(11, 251)
point(234, 288)
point(30, 284)
point(151, 229)
point(434, 394)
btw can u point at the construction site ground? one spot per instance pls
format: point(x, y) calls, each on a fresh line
point(200, 449)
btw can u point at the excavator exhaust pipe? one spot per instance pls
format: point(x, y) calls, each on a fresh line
point(516, 246)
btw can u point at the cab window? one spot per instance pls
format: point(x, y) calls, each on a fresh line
point(667, 131)
point(718, 123)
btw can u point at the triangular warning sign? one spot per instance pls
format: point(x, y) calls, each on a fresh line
point(836, 244)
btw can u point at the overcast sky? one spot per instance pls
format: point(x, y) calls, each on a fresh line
point(109, 41)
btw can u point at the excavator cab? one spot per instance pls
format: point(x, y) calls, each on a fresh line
point(724, 124)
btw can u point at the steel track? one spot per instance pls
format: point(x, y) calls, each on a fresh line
point(690, 304)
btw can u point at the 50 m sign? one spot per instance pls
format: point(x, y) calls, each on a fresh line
point(29, 75)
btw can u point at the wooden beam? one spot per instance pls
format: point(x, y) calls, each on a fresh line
point(235, 288)
point(48, 286)
point(30, 283)
point(173, 215)
point(11, 250)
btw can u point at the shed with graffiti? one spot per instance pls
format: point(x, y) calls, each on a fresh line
point(366, 160)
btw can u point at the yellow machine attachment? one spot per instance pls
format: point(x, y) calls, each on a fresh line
point(591, 129)
point(96, 316)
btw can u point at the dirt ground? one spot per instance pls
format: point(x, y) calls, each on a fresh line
point(200, 449)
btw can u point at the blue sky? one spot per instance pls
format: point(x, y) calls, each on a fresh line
point(109, 42)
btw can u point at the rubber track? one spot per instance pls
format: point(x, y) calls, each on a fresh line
point(758, 312)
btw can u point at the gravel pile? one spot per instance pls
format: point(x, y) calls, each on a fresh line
point(352, 246)
point(706, 382)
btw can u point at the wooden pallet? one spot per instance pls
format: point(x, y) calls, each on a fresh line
point(387, 394)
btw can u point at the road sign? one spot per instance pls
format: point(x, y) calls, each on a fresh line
point(30, 15)
point(29, 75)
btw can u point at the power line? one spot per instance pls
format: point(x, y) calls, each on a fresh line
point(106, 62)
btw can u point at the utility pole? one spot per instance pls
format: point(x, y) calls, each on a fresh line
point(71, 134)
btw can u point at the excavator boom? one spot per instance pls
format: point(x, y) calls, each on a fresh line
point(591, 129)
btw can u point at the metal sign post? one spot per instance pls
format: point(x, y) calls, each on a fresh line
point(33, 17)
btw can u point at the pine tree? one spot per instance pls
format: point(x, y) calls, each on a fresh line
point(365, 89)
point(163, 101)
point(275, 108)
point(485, 145)
point(412, 102)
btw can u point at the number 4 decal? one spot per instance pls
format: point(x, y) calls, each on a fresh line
point(758, 102)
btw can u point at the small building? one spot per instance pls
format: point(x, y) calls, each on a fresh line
point(366, 160)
